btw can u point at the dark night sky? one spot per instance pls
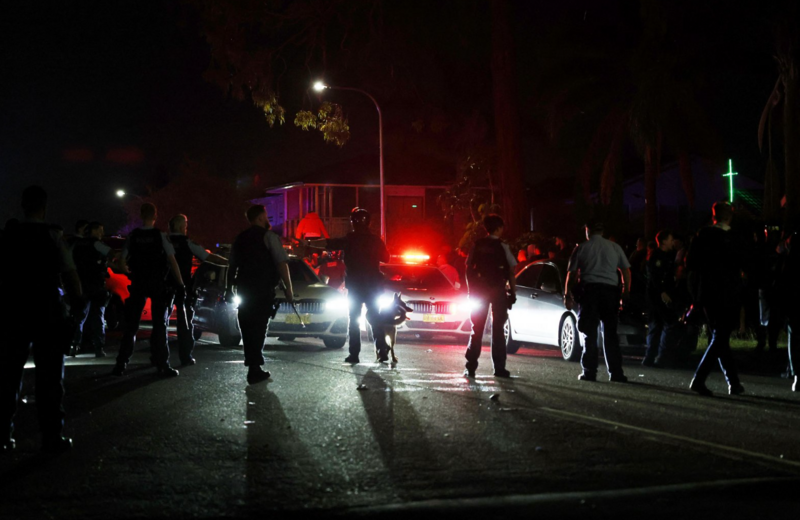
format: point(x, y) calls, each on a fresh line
point(99, 95)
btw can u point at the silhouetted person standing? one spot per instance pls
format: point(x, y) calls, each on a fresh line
point(596, 263)
point(363, 255)
point(258, 263)
point(663, 333)
point(715, 279)
point(149, 257)
point(185, 251)
point(91, 257)
point(490, 268)
point(32, 314)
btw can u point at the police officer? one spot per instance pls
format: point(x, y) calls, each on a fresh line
point(91, 256)
point(490, 267)
point(258, 263)
point(32, 314)
point(80, 232)
point(596, 263)
point(663, 331)
point(714, 264)
point(788, 275)
point(185, 250)
point(149, 257)
point(363, 253)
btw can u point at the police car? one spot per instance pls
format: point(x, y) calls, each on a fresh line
point(321, 310)
point(439, 306)
point(539, 316)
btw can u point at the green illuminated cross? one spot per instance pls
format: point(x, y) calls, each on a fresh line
point(730, 175)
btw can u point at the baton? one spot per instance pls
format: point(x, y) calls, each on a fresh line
point(294, 308)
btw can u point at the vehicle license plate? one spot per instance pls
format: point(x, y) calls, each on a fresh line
point(292, 319)
point(433, 318)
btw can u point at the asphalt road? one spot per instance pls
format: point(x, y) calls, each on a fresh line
point(415, 439)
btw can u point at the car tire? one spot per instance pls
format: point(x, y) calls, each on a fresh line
point(568, 339)
point(512, 345)
point(197, 334)
point(228, 339)
point(334, 343)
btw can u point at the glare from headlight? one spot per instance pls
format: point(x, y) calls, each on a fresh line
point(384, 301)
point(337, 304)
point(470, 304)
point(237, 300)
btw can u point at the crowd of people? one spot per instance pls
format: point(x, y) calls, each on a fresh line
point(712, 280)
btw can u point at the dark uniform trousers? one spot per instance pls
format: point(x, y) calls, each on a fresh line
point(358, 295)
point(663, 331)
point(722, 318)
point(47, 332)
point(254, 314)
point(160, 297)
point(90, 318)
point(600, 304)
point(498, 300)
point(793, 325)
point(184, 305)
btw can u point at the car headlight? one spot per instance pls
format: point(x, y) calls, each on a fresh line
point(237, 300)
point(337, 304)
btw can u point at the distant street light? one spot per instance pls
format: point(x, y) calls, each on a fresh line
point(319, 87)
point(120, 193)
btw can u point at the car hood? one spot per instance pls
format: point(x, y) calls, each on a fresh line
point(315, 291)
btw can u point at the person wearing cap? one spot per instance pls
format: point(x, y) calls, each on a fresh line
point(363, 254)
point(714, 264)
point(185, 251)
point(594, 267)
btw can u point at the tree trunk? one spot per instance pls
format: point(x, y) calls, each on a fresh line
point(506, 119)
point(791, 131)
point(650, 198)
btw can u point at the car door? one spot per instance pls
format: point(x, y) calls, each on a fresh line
point(523, 312)
point(550, 306)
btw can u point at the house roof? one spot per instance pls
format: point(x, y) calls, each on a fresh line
point(399, 170)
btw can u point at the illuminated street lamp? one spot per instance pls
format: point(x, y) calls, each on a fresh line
point(319, 87)
point(120, 193)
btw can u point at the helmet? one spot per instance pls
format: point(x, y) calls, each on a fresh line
point(359, 217)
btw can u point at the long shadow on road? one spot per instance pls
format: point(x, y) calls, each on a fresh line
point(279, 464)
point(400, 434)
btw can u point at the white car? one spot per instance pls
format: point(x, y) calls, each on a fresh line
point(539, 316)
point(322, 310)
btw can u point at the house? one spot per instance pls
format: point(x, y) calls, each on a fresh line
point(411, 192)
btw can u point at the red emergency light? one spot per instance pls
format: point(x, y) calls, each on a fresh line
point(415, 258)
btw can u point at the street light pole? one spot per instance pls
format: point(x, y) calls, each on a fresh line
point(319, 87)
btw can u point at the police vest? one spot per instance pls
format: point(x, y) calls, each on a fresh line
point(90, 263)
point(146, 256)
point(183, 255)
point(256, 271)
point(34, 275)
point(489, 263)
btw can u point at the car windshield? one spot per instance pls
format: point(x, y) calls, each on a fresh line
point(415, 276)
point(300, 272)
